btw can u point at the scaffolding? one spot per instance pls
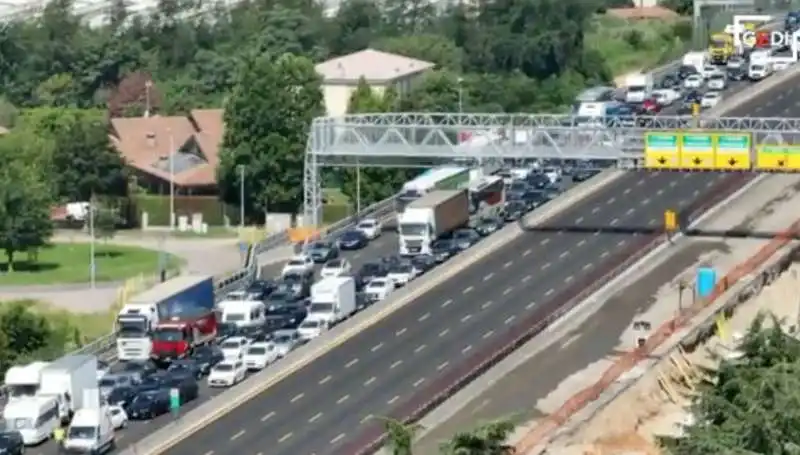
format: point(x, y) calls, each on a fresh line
point(432, 139)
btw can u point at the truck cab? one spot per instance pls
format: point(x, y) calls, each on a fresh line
point(721, 48)
point(243, 313)
point(67, 379)
point(135, 323)
point(437, 213)
point(333, 299)
point(178, 338)
point(91, 432)
point(24, 380)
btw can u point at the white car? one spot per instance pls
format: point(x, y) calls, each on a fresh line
point(717, 82)
point(234, 347)
point(735, 63)
point(401, 274)
point(666, 96)
point(259, 355)
point(370, 227)
point(379, 288)
point(227, 373)
point(285, 341)
point(780, 65)
point(118, 416)
point(335, 267)
point(312, 327)
point(710, 99)
point(299, 264)
point(693, 81)
point(709, 70)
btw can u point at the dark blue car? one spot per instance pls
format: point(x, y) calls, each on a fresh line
point(353, 240)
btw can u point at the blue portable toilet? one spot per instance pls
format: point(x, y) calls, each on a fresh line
point(705, 282)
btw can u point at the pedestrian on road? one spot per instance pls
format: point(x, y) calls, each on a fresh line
point(58, 435)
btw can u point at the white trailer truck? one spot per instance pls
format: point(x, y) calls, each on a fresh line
point(66, 379)
point(431, 216)
point(333, 299)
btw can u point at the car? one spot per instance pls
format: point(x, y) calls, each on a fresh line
point(118, 416)
point(378, 289)
point(227, 373)
point(259, 355)
point(321, 251)
point(206, 357)
point(11, 443)
point(370, 227)
point(299, 264)
point(465, 238)
point(113, 380)
point(423, 262)
point(121, 396)
point(285, 341)
point(352, 239)
point(372, 270)
point(284, 315)
point(735, 62)
point(780, 65)
point(260, 289)
point(737, 74)
point(443, 249)
point(488, 225)
point(234, 347)
point(514, 210)
point(650, 106)
point(711, 99)
point(717, 82)
point(312, 327)
point(102, 369)
point(335, 267)
point(402, 273)
point(666, 96)
point(693, 81)
point(149, 404)
point(685, 71)
point(187, 365)
point(295, 285)
point(709, 70)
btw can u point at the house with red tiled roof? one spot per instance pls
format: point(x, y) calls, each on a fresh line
point(184, 150)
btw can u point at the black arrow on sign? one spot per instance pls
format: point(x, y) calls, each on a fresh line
point(732, 162)
point(781, 163)
point(697, 161)
point(662, 161)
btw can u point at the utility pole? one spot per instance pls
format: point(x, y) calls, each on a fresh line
point(171, 181)
point(92, 261)
point(241, 195)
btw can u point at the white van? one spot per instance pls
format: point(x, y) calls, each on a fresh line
point(760, 65)
point(91, 431)
point(35, 418)
point(244, 313)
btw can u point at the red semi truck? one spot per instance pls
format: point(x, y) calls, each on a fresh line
point(186, 321)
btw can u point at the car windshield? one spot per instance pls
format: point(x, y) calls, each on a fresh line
point(376, 284)
point(351, 235)
point(335, 264)
point(257, 350)
point(318, 246)
point(81, 432)
point(717, 77)
point(401, 268)
point(108, 382)
point(230, 344)
point(756, 67)
point(224, 367)
point(367, 224)
point(283, 339)
point(310, 324)
point(297, 262)
point(443, 243)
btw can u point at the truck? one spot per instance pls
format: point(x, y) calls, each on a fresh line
point(66, 379)
point(696, 60)
point(792, 21)
point(333, 299)
point(91, 432)
point(638, 87)
point(139, 316)
point(440, 178)
point(430, 217)
point(721, 48)
point(186, 320)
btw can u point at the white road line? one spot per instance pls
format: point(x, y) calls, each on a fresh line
point(508, 291)
point(442, 366)
point(268, 416)
point(376, 347)
point(544, 242)
point(604, 254)
point(444, 332)
point(645, 201)
point(526, 278)
point(611, 201)
point(627, 190)
point(621, 242)
point(568, 279)
point(579, 220)
point(396, 364)
point(582, 242)
point(395, 398)
point(342, 399)
point(510, 319)
point(546, 265)
point(587, 266)
point(237, 435)
point(488, 334)
point(366, 419)
point(526, 252)
point(468, 290)
point(400, 332)
point(466, 349)
point(424, 317)
point(285, 437)
point(614, 221)
point(447, 302)
point(419, 349)
point(486, 305)
point(563, 254)
point(325, 379)
point(369, 381)
point(596, 209)
point(315, 418)
point(337, 438)
point(298, 397)
point(507, 264)
point(629, 211)
point(419, 381)
point(549, 291)
point(351, 363)
point(488, 276)
point(466, 318)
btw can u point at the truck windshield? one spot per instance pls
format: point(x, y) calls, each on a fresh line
point(81, 432)
point(22, 390)
point(19, 424)
point(168, 334)
point(413, 229)
point(320, 308)
point(234, 317)
point(131, 327)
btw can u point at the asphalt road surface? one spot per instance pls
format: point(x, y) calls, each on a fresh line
point(325, 405)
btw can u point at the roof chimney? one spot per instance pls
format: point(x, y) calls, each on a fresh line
point(151, 139)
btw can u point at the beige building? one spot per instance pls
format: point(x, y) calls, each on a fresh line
point(379, 69)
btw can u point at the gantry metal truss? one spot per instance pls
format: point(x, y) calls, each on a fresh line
point(425, 140)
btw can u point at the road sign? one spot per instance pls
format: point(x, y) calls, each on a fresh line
point(697, 151)
point(793, 157)
point(661, 151)
point(670, 220)
point(174, 399)
point(733, 151)
point(772, 157)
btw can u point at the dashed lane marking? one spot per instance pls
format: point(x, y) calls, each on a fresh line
point(268, 416)
point(400, 332)
point(369, 381)
point(376, 347)
point(343, 399)
point(351, 363)
point(396, 364)
point(238, 435)
point(315, 417)
point(285, 437)
point(468, 290)
point(297, 397)
point(442, 366)
point(325, 379)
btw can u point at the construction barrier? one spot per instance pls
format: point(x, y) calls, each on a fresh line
point(545, 430)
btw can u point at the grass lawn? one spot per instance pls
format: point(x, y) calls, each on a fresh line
point(628, 46)
point(70, 263)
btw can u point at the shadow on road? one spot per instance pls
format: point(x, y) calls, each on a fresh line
point(736, 233)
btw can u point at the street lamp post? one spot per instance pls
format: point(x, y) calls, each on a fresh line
point(171, 181)
point(241, 195)
point(92, 261)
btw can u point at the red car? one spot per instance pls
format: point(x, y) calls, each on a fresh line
point(650, 106)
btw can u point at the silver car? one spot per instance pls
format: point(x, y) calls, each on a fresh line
point(285, 341)
point(113, 380)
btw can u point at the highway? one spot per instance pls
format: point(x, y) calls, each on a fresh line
point(325, 405)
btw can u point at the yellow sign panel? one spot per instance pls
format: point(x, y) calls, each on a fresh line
point(733, 151)
point(697, 151)
point(661, 151)
point(793, 158)
point(772, 157)
point(670, 220)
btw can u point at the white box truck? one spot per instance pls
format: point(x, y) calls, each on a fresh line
point(638, 87)
point(333, 299)
point(66, 379)
point(91, 431)
point(429, 217)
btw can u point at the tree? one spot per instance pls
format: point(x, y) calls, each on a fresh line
point(400, 436)
point(267, 119)
point(25, 194)
point(488, 439)
point(106, 220)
